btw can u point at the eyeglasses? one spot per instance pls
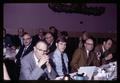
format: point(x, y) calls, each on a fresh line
point(48, 37)
point(45, 51)
point(89, 43)
point(26, 38)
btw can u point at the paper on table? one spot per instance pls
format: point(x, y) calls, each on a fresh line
point(89, 70)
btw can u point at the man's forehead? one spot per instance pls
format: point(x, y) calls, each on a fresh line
point(41, 44)
point(27, 35)
point(89, 41)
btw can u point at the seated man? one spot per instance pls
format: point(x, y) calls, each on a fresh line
point(104, 52)
point(84, 56)
point(36, 66)
point(60, 58)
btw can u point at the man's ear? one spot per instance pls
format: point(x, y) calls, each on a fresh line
point(104, 43)
point(56, 44)
point(34, 48)
point(84, 44)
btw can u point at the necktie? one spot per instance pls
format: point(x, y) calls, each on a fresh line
point(23, 52)
point(63, 65)
point(44, 77)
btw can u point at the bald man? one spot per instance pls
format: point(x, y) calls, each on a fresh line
point(36, 66)
point(84, 56)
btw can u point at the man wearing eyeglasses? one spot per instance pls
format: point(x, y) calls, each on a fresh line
point(84, 56)
point(36, 65)
point(25, 49)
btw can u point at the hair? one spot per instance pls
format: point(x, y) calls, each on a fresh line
point(92, 38)
point(26, 33)
point(64, 33)
point(49, 33)
point(61, 39)
point(106, 39)
point(21, 28)
point(52, 27)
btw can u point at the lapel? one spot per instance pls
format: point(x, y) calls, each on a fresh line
point(30, 48)
point(32, 61)
point(85, 54)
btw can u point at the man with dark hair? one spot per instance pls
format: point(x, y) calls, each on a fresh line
point(104, 52)
point(25, 49)
point(18, 39)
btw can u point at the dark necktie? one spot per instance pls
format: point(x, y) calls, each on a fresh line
point(63, 65)
point(44, 77)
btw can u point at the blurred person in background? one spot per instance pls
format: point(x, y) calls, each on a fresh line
point(54, 31)
point(39, 36)
point(18, 39)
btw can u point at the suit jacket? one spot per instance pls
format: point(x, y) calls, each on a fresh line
point(19, 54)
point(52, 47)
point(80, 59)
point(17, 42)
point(29, 70)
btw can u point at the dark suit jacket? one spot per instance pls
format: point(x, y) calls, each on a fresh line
point(80, 59)
point(19, 54)
point(29, 70)
point(17, 41)
point(52, 47)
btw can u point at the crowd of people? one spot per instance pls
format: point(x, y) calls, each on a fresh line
point(49, 54)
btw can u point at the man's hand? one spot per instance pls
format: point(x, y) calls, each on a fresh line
point(43, 60)
point(48, 67)
point(109, 56)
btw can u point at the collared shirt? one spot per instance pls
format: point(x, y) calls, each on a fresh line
point(87, 53)
point(58, 62)
point(21, 39)
point(103, 49)
point(36, 60)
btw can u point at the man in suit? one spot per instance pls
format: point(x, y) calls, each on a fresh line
point(36, 65)
point(104, 52)
point(59, 57)
point(18, 39)
point(84, 56)
point(24, 49)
